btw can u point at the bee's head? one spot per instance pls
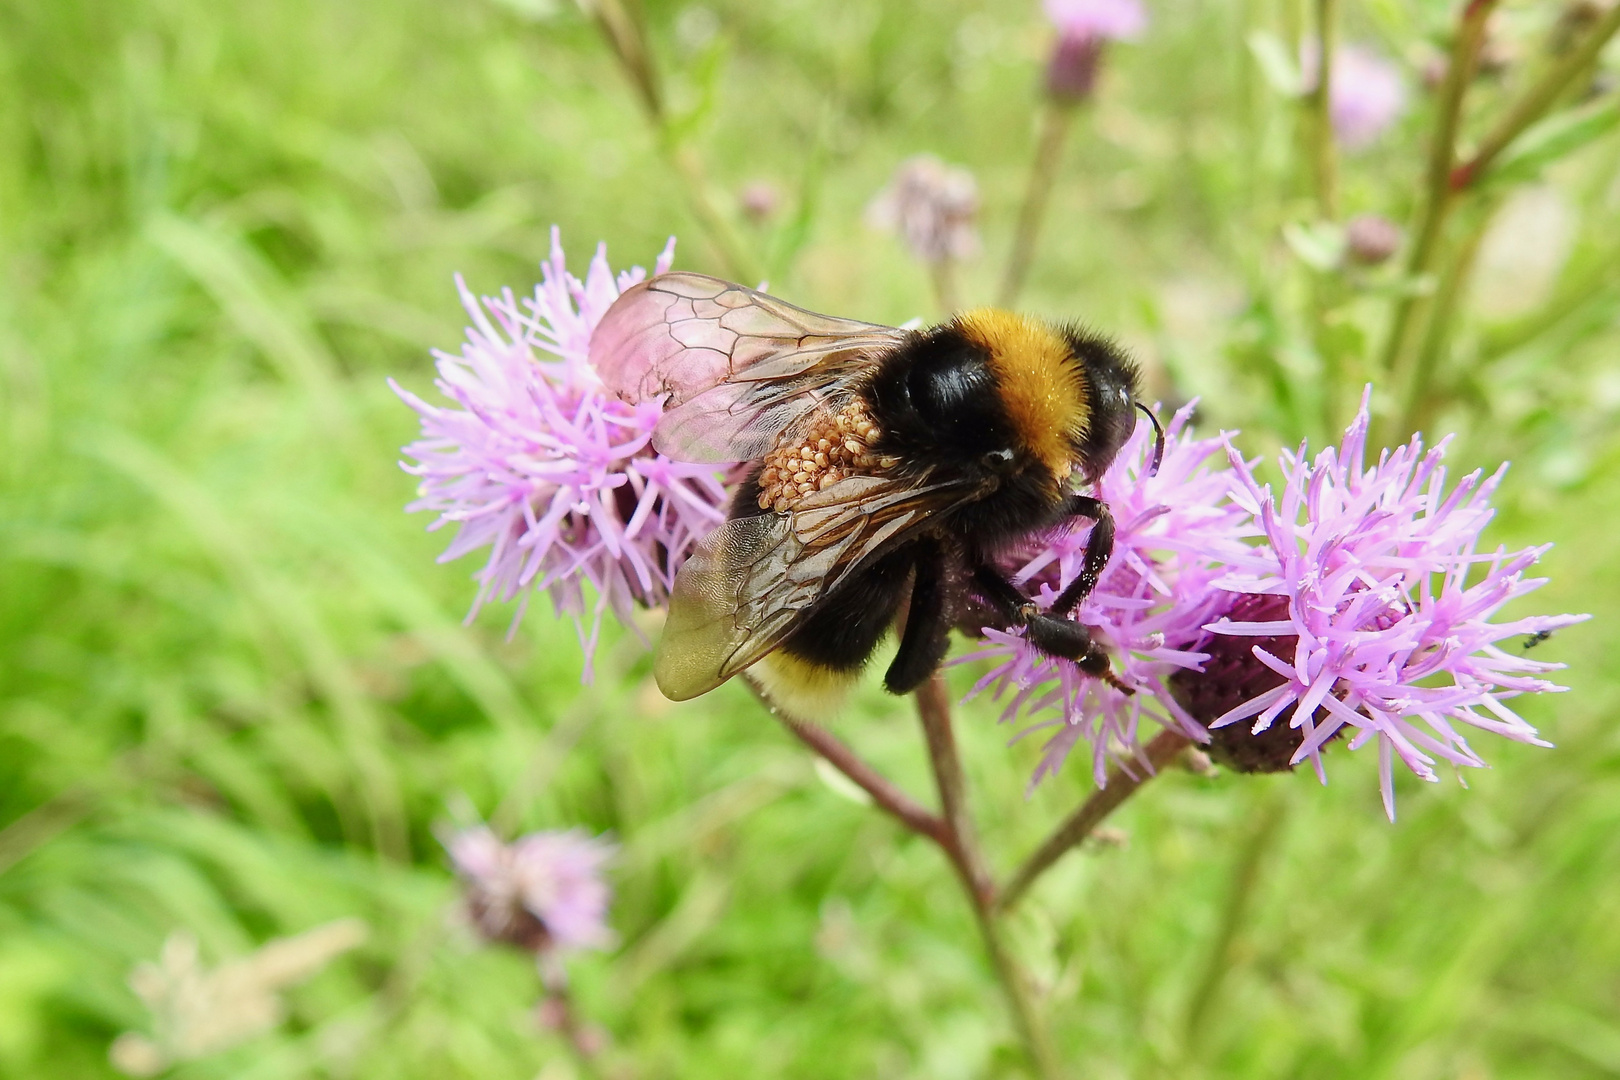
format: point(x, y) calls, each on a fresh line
point(996, 392)
point(1109, 388)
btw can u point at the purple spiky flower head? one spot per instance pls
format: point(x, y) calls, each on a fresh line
point(1373, 609)
point(535, 461)
point(543, 893)
point(1175, 529)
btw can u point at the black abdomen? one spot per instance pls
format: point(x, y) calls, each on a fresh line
point(841, 631)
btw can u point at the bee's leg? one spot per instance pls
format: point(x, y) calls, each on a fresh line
point(928, 624)
point(1054, 635)
point(1099, 546)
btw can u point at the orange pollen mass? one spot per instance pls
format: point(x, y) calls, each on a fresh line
point(831, 446)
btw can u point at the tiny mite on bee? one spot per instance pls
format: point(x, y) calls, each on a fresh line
point(887, 469)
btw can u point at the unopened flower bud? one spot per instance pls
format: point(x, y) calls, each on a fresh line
point(1371, 239)
point(1072, 71)
point(760, 200)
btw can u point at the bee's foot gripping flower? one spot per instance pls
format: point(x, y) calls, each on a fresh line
point(537, 462)
point(1174, 529)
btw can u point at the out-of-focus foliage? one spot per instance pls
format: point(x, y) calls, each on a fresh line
point(236, 696)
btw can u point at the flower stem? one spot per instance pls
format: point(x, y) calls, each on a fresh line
point(1055, 123)
point(1529, 108)
point(1453, 281)
point(1324, 153)
point(1080, 824)
point(934, 710)
point(1245, 876)
point(1405, 326)
point(565, 1015)
point(942, 273)
point(884, 792)
point(628, 41)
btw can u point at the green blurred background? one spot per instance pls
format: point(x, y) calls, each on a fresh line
point(236, 697)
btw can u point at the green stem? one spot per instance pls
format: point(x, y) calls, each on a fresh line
point(1447, 293)
point(1085, 819)
point(1055, 123)
point(1245, 876)
point(1399, 353)
point(1537, 100)
point(1324, 153)
point(628, 42)
point(934, 710)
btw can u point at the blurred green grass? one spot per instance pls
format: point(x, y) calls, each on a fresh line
point(236, 695)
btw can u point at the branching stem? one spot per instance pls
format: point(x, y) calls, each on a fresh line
point(1405, 332)
point(884, 792)
point(1080, 824)
point(934, 710)
point(1537, 100)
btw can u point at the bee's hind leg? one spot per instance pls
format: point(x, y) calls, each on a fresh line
point(928, 625)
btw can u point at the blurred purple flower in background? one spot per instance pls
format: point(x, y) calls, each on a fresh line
point(1366, 97)
point(1174, 530)
point(933, 206)
point(1370, 573)
point(1091, 20)
point(542, 466)
point(542, 892)
point(1083, 27)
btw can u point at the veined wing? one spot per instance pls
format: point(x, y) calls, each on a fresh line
point(740, 593)
point(738, 366)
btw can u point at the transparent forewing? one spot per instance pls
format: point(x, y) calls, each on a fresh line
point(741, 591)
point(738, 366)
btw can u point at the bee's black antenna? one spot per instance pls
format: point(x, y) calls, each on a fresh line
point(1158, 439)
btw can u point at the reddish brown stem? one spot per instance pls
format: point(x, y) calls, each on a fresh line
point(885, 793)
point(1080, 824)
point(934, 710)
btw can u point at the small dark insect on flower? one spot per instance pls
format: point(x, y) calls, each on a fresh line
point(1537, 638)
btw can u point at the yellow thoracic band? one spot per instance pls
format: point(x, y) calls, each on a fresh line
point(1042, 384)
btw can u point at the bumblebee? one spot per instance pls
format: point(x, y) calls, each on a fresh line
point(886, 470)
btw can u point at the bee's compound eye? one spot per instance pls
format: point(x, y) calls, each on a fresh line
point(999, 459)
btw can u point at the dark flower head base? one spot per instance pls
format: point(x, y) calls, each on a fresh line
point(1233, 675)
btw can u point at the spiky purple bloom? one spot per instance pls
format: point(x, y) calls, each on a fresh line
point(543, 892)
point(1388, 602)
point(538, 463)
point(1174, 530)
point(1366, 96)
